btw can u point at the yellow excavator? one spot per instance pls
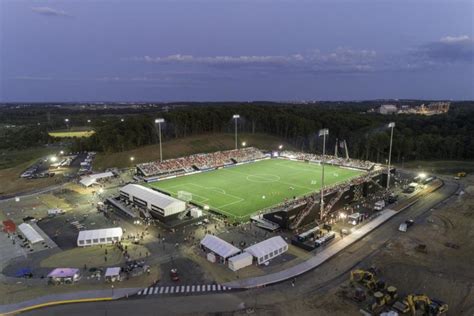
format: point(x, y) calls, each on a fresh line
point(366, 278)
point(383, 298)
point(421, 302)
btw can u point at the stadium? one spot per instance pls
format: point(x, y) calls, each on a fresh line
point(280, 188)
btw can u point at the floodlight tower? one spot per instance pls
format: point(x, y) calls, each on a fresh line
point(66, 120)
point(236, 117)
point(323, 132)
point(391, 125)
point(159, 121)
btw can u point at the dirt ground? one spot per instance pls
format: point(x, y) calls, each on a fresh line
point(445, 271)
point(15, 184)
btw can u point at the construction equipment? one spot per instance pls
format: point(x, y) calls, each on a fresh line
point(461, 174)
point(421, 302)
point(367, 279)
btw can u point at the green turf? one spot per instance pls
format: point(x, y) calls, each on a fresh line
point(238, 191)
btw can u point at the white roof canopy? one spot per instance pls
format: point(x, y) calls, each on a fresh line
point(91, 179)
point(267, 246)
point(30, 233)
point(110, 272)
point(100, 233)
point(151, 196)
point(219, 246)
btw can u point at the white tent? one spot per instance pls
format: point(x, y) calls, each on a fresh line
point(240, 261)
point(218, 246)
point(112, 274)
point(30, 233)
point(91, 179)
point(156, 202)
point(268, 249)
point(99, 236)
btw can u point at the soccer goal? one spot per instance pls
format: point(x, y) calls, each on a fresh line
point(185, 196)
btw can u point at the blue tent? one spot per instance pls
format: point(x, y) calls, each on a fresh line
point(23, 272)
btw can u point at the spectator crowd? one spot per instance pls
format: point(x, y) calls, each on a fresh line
point(199, 162)
point(328, 159)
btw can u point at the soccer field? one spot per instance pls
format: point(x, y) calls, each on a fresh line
point(242, 190)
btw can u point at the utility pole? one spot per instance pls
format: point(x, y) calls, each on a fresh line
point(159, 121)
point(390, 125)
point(323, 133)
point(236, 117)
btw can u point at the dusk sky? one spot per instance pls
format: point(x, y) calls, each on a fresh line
point(83, 50)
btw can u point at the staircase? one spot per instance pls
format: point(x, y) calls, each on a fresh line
point(303, 213)
point(336, 198)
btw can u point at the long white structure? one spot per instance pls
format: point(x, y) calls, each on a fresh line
point(99, 236)
point(159, 205)
point(89, 180)
point(30, 233)
point(219, 247)
point(268, 249)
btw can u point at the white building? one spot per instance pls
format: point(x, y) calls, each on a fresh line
point(240, 261)
point(159, 205)
point(268, 249)
point(30, 233)
point(388, 109)
point(219, 247)
point(99, 236)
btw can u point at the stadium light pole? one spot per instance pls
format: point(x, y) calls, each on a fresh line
point(159, 121)
point(236, 117)
point(66, 120)
point(391, 125)
point(323, 132)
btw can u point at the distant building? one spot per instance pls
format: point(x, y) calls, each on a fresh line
point(386, 109)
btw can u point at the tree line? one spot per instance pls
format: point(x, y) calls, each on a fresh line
point(447, 136)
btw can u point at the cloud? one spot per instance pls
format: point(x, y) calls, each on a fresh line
point(340, 60)
point(49, 11)
point(448, 50)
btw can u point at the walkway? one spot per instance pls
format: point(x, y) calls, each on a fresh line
point(182, 289)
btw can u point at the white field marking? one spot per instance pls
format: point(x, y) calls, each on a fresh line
point(238, 200)
point(215, 189)
point(232, 203)
point(290, 184)
point(227, 194)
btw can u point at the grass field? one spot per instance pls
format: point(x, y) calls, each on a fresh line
point(240, 191)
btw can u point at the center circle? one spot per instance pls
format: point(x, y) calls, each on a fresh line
point(263, 178)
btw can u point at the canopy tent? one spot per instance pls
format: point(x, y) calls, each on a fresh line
point(268, 249)
point(30, 233)
point(99, 236)
point(110, 272)
point(91, 179)
point(218, 246)
point(9, 226)
point(23, 272)
point(64, 273)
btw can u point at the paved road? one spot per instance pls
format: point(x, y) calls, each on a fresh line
point(312, 283)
